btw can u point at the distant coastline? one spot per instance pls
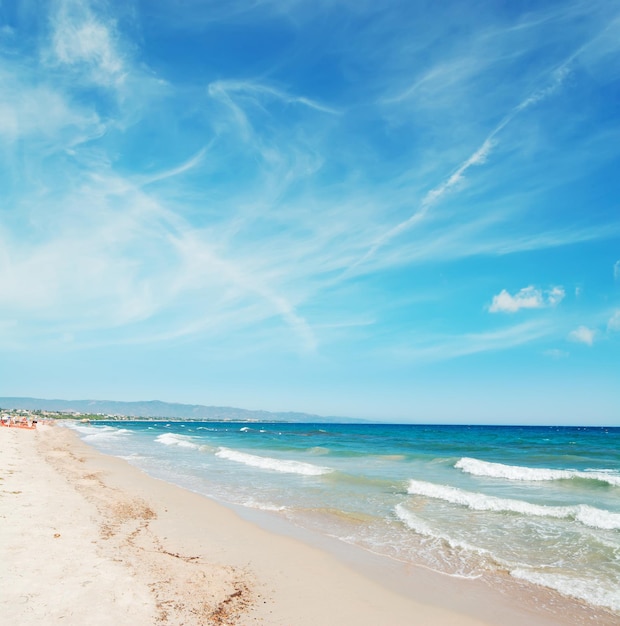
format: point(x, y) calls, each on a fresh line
point(155, 409)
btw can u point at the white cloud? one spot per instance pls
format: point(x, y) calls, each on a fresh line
point(617, 270)
point(139, 264)
point(555, 295)
point(614, 321)
point(526, 298)
point(87, 43)
point(583, 334)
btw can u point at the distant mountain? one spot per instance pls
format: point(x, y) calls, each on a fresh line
point(155, 408)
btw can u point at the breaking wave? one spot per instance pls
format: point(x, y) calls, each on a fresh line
point(172, 439)
point(98, 434)
point(586, 515)
point(276, 465)
point(421, 527)
point(517, 472)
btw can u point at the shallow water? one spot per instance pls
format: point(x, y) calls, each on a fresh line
point(541, 504)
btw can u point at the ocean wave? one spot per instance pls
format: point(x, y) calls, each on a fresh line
point(421, 527)
point(517, 472)
point(94, 434)
point(172, 439)
point(593, 593)
point(247, 429)
point(268, 463)
point(597, 518)
point(585, 514)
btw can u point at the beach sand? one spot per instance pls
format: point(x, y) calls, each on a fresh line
point(89, 539)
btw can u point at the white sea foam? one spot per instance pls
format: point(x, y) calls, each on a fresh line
point(421, 527)
point(251, 503)
point(133, 457)
point(517, 472)
point(587, 515)
point(172, 439)
point(97, 434)
point(414, 522)
point(268, 463)
point(597, 518)
point(591, 592)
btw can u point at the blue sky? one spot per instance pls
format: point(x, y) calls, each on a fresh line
point(395, 211)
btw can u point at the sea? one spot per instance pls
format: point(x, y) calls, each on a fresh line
point(535, 505)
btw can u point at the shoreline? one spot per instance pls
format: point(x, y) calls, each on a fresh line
point(91, 539)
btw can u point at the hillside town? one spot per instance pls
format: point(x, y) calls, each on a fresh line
point(21, 417)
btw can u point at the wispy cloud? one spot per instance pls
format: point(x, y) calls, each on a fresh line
point(259, 90)
point(86, 43)
point(138, 262)
point(35, 110)
point(478, 157)
point(212, 203)
point(527, 298)
point(246, 98)
point(447, 347)
point(187, 166)
point(429, 200)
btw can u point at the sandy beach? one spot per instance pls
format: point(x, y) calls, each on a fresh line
point(89, 539)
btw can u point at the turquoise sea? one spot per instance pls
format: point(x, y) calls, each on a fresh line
point(539, 505)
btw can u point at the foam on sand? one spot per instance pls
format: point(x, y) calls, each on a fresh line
point(421, 527)
point(568, 586)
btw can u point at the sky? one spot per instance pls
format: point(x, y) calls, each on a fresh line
point(397, 211)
